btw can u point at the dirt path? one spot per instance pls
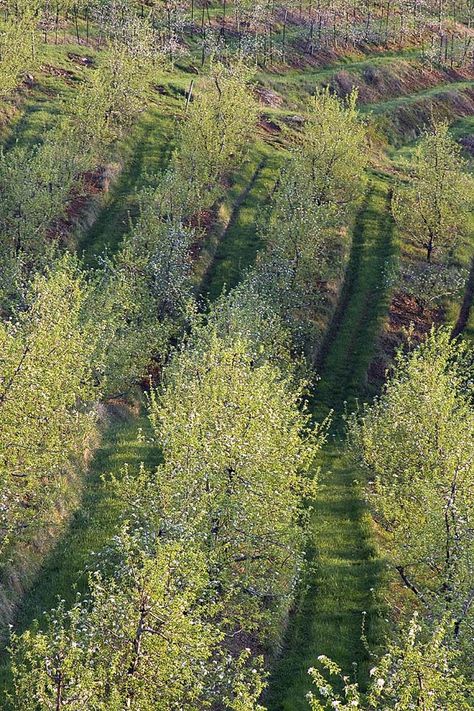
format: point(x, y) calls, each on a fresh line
point(344, 568)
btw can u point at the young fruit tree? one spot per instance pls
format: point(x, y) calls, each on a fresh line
point(418, 671)
point(416, 443)
point(110, 102)
point(236, 449)
point(141, 299)
point(45, 388)
point(141, 640)
point(36, 183)
point(218, 125)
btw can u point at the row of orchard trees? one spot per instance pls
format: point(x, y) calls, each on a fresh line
point(70, 337)
point(415, 443)
point(432, 208)
point(306, 237)
point(266, 32)
point(148, 282)
point(212, 543)
point(52, 347)
point(24, 25)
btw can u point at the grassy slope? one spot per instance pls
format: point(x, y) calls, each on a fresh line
point(337, 591)
point(348, 349)
point(431, 92)
point(292, 83)
point(34, 110)
point(127, 440)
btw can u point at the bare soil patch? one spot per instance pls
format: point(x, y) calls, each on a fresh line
point(406, 319)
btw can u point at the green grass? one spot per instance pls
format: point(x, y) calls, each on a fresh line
point(344, 569)
point(468, 332)
point(432, 92)
point(349, 345)
point(294, 82)
point(39, 107)
point(236, 245)
point(91, 525)
point(463, 127)
point(344, 566)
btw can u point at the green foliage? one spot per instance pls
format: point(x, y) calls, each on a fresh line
point(247, 685)
point(47, 665)
point(36, 183)
point(236, 447)
point(418, 671)
point(17, 47)
point(216, 130)
point(108, 105)
point(142, 298)
point(145, 637)
point(333, 152)
point(245, 314)
point(45, 386)
point(140, 641)
point(433, 207)
point(119, 23)
point(323, 180)
point(416, 443)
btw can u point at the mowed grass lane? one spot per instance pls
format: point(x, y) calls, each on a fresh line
point(336, 596)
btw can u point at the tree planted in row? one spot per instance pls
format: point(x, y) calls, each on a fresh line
point(236, 450)
point(416, 442)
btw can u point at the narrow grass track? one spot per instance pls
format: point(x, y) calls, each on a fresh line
point(344, 568)
point(349, 344)
point(239, 242)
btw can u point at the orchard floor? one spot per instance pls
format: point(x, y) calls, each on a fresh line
point(337, 602)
